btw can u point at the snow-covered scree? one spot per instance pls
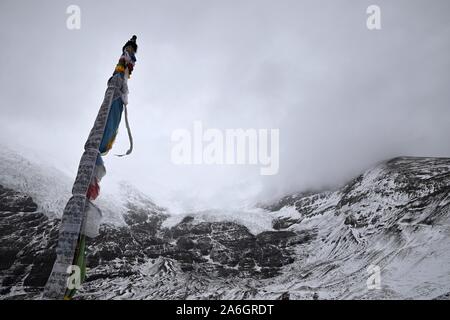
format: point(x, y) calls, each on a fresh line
point(394, 218)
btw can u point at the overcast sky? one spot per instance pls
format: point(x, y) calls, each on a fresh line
point(343, 97)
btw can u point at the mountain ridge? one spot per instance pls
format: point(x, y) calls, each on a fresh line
point(395, 216)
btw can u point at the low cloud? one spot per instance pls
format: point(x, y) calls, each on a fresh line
point(343, 97)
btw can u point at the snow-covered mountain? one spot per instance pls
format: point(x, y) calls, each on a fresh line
point(50, 187)
point(394, 218)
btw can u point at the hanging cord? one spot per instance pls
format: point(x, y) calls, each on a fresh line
point(130, 137)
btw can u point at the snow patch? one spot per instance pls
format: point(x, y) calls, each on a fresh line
point(255, 220)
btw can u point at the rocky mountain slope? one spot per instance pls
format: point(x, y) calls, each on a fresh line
point(394, 217)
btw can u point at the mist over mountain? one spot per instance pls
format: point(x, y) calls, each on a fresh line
point(394, 218)
point(358, 206)
point(343, 97)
